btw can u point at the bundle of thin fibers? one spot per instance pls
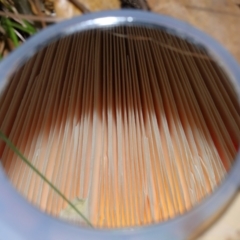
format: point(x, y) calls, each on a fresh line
point(133, 125)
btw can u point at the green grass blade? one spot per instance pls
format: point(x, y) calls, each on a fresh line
point(26, 29)
point(30, 27)
point(11, 33)
point(16, 151)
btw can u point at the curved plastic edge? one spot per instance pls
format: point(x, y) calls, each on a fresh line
point(20, 220)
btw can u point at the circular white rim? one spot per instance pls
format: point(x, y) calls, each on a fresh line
point(20, 220)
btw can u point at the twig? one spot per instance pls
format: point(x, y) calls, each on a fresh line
point(19, 35)
point(40, 12)
point(212, 10)
point(164, 45)
point(30, 17)
point(143, 5)
point(80, 6)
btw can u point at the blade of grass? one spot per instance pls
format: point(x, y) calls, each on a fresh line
point(19, 154)
point(25, 26)
point(10, 31)
point(22, 28)
point(29, 26)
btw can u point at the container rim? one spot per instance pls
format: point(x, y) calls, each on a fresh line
point(20, 220)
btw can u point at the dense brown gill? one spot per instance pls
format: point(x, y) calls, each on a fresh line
point(139, 124)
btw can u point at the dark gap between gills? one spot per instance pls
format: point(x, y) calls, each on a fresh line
point(133, 125)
